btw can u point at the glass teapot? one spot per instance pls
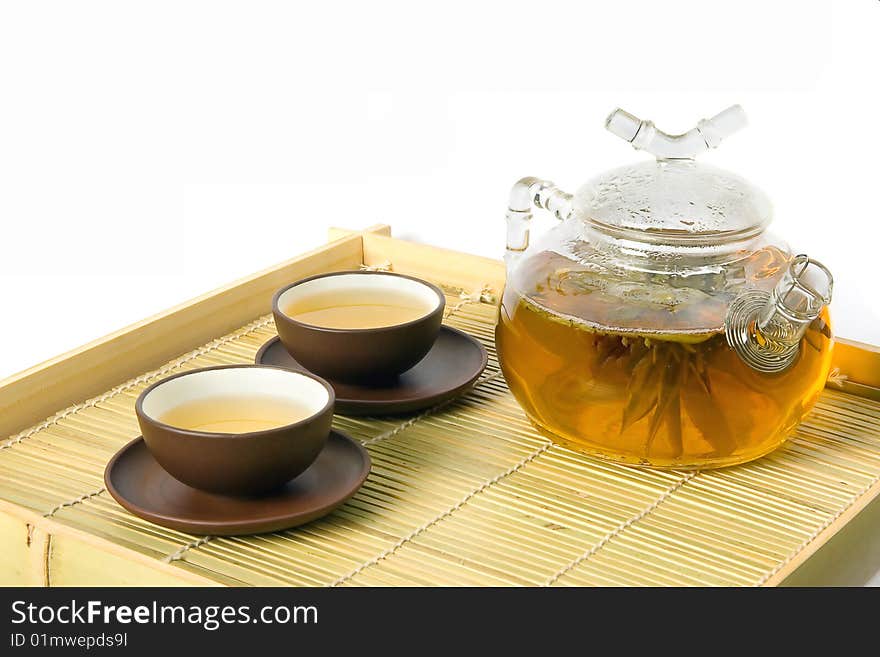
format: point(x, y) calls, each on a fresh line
point(659, 323)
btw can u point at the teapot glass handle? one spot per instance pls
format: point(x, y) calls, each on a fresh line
point(528, 192)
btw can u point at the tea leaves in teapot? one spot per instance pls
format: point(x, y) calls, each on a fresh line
point(667, 379)
point(709, 419)
point(642, 391)
point(667, 397)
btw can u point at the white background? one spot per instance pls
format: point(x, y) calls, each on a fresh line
point(152, 151)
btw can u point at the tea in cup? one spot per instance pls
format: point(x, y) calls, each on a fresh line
point(357, 326)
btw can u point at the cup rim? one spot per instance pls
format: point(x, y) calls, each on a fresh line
point(139, 411)
point(441, 304)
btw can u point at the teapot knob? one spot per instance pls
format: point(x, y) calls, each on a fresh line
point(708, 133)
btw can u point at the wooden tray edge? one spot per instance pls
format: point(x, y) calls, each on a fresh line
point(820, 539)
point(54, 554)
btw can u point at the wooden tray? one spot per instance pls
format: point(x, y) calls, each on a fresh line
point(465, 494)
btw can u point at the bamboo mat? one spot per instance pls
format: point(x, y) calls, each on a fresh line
point(471, 494)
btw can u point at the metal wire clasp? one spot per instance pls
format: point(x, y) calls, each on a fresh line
point(765, 328)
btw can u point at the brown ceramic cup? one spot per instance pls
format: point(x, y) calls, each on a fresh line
point(359, 354)
point(236, 463)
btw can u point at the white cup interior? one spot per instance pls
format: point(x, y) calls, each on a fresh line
point(262, 381)
point(368, 285)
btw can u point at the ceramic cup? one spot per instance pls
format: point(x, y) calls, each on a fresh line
point(360, 354)
point(236, 463)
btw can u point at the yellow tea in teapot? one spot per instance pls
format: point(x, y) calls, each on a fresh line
point(669, 399)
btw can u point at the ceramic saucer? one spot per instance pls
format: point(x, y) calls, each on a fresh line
point(451, 367)
point(138, 483)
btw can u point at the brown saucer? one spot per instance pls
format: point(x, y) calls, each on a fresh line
point(138, 483)
point(451, 367)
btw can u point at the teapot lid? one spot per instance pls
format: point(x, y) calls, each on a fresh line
point(674, 199)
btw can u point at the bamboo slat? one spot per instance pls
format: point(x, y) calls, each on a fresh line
point(464, 494)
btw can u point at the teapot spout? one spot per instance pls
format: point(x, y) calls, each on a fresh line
point(766, 329)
